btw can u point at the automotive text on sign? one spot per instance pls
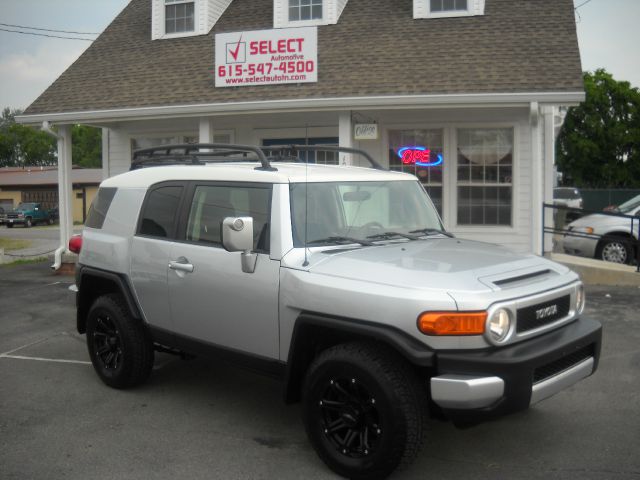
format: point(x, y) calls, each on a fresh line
point(266, 57)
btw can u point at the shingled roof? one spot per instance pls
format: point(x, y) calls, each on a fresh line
point(376, 49)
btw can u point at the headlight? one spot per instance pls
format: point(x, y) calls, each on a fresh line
point(499, 324)
point(580, 299)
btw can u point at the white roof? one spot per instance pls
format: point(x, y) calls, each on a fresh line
point(246, 172)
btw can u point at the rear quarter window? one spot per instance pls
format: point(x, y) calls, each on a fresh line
point(160, 211)
point(100, 207)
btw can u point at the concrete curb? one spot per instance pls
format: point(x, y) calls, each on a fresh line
point(596, 272)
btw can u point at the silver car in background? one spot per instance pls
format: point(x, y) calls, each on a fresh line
point(606, 237)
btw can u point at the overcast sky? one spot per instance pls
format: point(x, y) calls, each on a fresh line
point(608, 33)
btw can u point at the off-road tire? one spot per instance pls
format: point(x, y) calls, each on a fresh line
point(9, 225)
point(120, 346)
point(394, 415)
point(28, 223)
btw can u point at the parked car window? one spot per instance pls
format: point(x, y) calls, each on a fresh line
point(212, 204)
point(99, 207)
point(629, 205)
point(566, 193)
point(160, 210)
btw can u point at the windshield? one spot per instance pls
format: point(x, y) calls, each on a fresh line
point(629, 205)
point(352, 212)
point(26, 206)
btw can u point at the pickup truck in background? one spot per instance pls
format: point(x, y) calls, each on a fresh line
point(28, 214)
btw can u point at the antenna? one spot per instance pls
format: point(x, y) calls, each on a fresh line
point(306, 198)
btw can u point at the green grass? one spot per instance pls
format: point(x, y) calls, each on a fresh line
point(23, 261)
point(14, 244)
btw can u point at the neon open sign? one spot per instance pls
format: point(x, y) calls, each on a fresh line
point(419, 156)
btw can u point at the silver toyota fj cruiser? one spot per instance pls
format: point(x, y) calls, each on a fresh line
point(339, 280)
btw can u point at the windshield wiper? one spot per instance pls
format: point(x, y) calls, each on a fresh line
point(341, 240)
point(389, 235)
point(432, 231)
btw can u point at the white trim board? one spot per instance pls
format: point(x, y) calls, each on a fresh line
point(279, 106)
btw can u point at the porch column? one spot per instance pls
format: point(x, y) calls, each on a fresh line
point(549, 162)
point(106, 160)
point(206, 130)
point(345, 136)
point(65, 187)
point(537, 174)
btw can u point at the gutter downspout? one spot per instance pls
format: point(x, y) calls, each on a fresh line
point(57, 256)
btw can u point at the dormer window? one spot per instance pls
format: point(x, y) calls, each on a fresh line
point(300, 10)
point(179, 16)
point(184, 18)
point(447, 8)
point(306, 13)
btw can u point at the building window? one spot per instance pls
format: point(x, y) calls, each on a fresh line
point(485, 176)
point(179, 16)
point(305, 10)
point(448, 5)
point(420, 152)
point(322, 157)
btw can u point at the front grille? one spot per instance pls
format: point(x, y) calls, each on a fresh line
point(564, 363)
point(537, 316)
point(12, 215)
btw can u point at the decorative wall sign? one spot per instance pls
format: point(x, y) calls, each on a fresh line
point(365, 131)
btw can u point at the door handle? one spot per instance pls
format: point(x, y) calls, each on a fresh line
point(181, 265)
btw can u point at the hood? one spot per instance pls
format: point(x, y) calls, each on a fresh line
point(603, 223)
point(449, 264)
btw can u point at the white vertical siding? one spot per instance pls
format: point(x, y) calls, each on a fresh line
point(157, 19)
point(119, 151)
point(214, 10)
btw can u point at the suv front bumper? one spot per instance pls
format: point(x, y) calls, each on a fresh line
point(474, 385)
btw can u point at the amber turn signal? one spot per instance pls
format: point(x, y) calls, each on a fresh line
point(452, 323)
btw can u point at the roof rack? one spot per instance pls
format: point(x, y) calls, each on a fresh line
point(203, 153)
point(197, 154)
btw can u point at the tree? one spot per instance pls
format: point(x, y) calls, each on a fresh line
point(86, 146)
point(599, 143)
point(22, 146)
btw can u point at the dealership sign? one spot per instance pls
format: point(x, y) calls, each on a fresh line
point(267, 57)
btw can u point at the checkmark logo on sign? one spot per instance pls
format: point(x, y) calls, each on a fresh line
point(233, 50)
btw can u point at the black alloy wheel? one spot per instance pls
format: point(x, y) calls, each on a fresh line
point(107, 343)
point(120, 346)
point(364, 410)
point(350, 418)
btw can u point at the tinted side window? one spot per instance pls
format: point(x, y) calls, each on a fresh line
point(160, 210)
point(100, 207)
point(211, 204)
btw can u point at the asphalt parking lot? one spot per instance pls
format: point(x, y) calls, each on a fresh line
point(197, 419)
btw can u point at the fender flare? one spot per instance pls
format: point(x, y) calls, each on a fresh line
point(121, 282)
point(311, 327)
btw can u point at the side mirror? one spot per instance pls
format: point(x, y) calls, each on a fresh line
point(36, 209)
point(237, 236)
